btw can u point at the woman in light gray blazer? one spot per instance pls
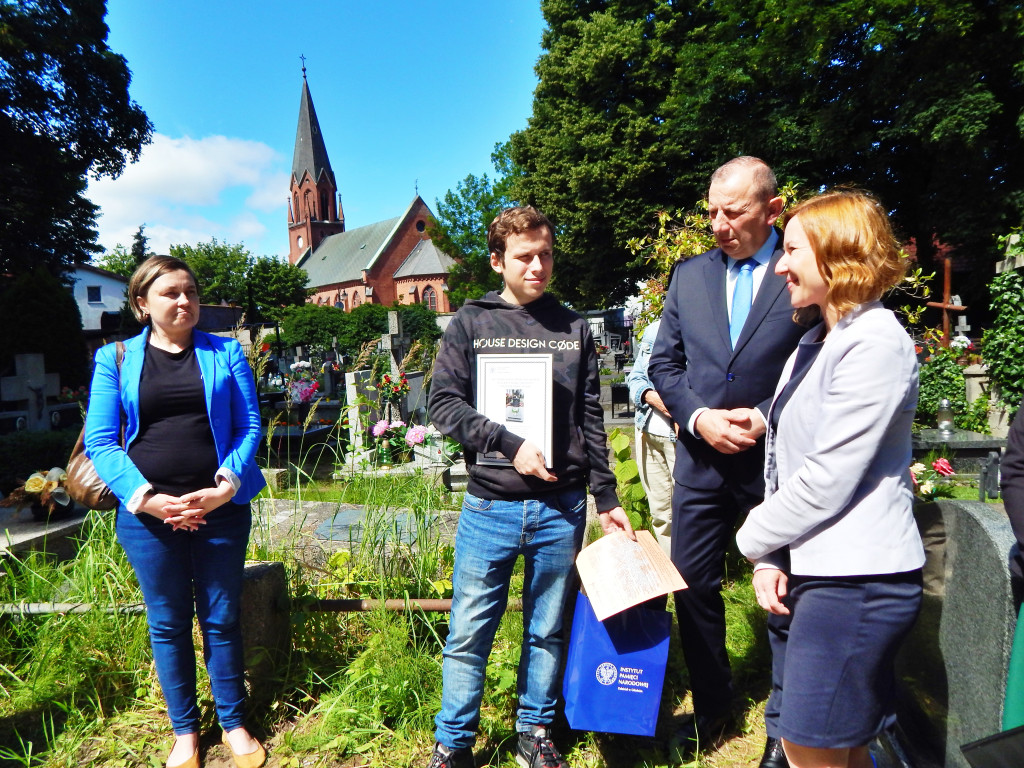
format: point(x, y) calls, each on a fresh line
point(837, 554)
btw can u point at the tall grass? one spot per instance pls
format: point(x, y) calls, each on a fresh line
point(358, 689)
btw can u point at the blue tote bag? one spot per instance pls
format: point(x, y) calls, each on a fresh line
point(615, 670)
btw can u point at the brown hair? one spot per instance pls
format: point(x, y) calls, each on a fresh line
point(854, 245)
point(146, 274)
point(515, 221)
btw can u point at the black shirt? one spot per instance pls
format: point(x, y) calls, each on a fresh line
point(174, 449)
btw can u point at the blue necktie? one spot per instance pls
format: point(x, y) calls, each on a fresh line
point(742, 296)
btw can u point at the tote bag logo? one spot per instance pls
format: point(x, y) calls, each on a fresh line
point(607, 673)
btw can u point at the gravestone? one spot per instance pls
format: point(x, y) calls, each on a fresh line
point(952, 668)
point(266, 628)
point(359, 385)
point(29, 388)
point(968, 450)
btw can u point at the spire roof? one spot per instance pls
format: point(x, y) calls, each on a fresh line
point(310, 151)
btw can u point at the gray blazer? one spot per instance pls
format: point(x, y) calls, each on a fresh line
point(838, 489)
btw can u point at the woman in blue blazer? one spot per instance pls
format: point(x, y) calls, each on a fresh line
point(184, 477)
point(837, 553)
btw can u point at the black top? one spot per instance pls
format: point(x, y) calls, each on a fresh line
point(174, 449)
point(805, 356)
point(491, 325)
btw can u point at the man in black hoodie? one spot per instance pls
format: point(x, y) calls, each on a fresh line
point(522, 503)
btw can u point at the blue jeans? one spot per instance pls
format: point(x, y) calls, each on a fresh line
point(548, 533)
point(185, 574)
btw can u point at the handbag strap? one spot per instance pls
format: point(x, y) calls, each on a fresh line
point(119, 346)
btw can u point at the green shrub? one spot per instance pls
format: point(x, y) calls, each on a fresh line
point(1003, 342)
point(942, 377)
point(39, 315)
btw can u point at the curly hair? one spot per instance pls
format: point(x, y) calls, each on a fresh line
point(854, 245)
point(515, 221)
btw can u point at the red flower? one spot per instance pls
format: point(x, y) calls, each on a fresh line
point(943, 467)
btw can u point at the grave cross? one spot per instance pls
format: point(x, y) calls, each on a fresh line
point(31, 385)
point(395, 342)
point(947, 304)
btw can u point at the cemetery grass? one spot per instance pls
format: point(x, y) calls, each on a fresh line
point(357, 689)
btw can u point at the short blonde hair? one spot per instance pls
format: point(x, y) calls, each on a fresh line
point(146, 274)
point(854, 245)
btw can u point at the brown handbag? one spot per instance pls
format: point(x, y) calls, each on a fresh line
point(83, 484)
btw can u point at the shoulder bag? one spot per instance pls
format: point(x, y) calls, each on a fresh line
point(83, 484)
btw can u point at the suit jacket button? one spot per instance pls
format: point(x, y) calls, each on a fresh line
point(730, 376)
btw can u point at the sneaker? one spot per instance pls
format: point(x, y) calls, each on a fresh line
point(443, 757)
point(536, 750)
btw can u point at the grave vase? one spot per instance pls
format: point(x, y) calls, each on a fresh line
point(42, 514)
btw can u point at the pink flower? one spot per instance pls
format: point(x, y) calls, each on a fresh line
point(397, 424)
point(415, 435)
point(380, 428)
point(943, 467)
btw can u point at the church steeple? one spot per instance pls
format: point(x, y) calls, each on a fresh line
point(314, 207)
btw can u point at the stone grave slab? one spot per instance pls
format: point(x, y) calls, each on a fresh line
point(969, 449)
point(952, 668)
point(19, 532)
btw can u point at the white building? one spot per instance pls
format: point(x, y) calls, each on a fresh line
point(97, 291)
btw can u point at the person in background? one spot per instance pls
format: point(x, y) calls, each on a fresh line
point(836, 549)
point(655, 440)
point(184, 476)
point(726, 332)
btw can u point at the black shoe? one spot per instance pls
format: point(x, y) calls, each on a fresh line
point(536, 750)
point(443, 757)
point(774, 756)
point(701, 732)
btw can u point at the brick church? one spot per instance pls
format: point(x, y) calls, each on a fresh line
point(381, 263)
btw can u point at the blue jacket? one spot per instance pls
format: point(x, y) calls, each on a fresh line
point(230, 402)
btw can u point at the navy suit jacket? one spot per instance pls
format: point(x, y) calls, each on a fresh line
point(693, 364)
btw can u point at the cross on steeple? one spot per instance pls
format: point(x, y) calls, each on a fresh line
point(303, 57)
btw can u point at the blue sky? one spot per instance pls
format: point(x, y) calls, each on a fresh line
point(405, 91)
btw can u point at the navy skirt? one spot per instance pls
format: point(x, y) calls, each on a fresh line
point(832, 661)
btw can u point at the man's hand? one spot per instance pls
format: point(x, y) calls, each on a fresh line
point(615, 519)
point(749, 420)
point(530, 461)
point(770, 587)
point(718, 429)
point(653, 399)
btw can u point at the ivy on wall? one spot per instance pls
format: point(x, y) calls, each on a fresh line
point(1003, 343)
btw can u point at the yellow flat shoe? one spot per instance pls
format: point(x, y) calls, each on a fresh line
point(190, 762)
point(251, 760)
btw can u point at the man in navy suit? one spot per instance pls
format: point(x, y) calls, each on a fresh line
point(726, 333)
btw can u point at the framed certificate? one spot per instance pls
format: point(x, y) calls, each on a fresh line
point(516, 391)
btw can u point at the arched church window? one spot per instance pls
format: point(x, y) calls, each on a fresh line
point(430, 298)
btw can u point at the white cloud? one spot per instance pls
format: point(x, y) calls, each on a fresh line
point(188, 190)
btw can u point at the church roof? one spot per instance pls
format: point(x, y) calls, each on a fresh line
point(344, 256)
point(310, 152)
point(425, 259)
